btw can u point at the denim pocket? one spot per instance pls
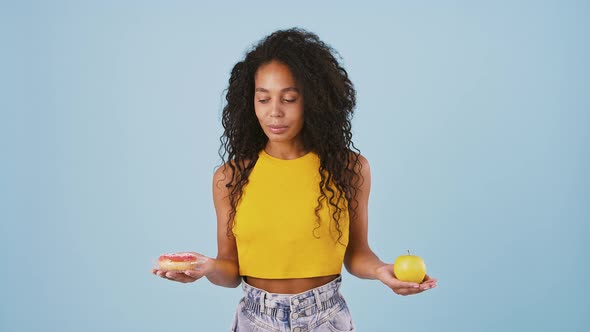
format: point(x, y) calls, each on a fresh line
point(257, 323)
point(337, 321)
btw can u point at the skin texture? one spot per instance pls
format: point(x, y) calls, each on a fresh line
point(278, 103)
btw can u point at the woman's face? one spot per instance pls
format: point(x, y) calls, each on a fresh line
point(278, 103)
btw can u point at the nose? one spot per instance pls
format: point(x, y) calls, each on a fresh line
point(276, 110)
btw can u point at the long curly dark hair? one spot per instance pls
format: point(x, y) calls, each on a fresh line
point(329, 100)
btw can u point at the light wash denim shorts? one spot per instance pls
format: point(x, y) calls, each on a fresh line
point(320, 309)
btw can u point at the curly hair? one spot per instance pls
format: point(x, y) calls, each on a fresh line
point(329, 101)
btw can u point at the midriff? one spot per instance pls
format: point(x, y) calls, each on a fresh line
point(289, 286)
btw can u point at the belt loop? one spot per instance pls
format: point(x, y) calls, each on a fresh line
point(318, 302)
point(262, 297)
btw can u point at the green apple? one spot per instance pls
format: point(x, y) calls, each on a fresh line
point(409, 268)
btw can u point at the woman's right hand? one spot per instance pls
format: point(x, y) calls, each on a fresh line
point(203, 267)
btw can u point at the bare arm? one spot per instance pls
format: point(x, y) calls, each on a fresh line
point(222, 270)
point(225, 270)
point(359, 259)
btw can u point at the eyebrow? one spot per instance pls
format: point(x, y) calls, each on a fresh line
point(283, 90)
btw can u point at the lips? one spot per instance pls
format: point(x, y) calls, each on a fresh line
point(277, 129)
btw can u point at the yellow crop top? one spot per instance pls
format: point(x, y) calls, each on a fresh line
point(276, 228)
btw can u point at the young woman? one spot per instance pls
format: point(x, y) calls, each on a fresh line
point(292, 195)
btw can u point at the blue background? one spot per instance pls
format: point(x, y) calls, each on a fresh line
point(475, 117)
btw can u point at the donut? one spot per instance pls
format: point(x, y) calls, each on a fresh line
point(180, 261)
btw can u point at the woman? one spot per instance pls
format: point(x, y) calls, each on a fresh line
point(292, 196)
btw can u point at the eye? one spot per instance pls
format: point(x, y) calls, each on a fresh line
point(289, 100)
point(263, 101)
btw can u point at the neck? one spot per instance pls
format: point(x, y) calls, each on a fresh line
point(286, 151)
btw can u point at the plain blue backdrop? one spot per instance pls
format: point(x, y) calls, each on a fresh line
point(474, 115)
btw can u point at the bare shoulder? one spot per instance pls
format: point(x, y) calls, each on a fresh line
point(363, 161)
point(223, 177)
point(361, 164)
point(222, 172)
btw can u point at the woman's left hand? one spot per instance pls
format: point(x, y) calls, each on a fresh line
point(386, 275)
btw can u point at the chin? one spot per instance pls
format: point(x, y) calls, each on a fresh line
point(284, 137)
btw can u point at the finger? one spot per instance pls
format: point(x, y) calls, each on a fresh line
point(428, 278)
point(193, 274)
point(183, 280)
point(411, 291)
point(407, 291)
point(165, 274)
point(424, 287)
point(173, 275)
point(179, 276)
point(393, 282)
point(431, 283)
point(405, 284)
point(397, 285)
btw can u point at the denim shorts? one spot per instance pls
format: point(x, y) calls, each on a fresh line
point(320, 309)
